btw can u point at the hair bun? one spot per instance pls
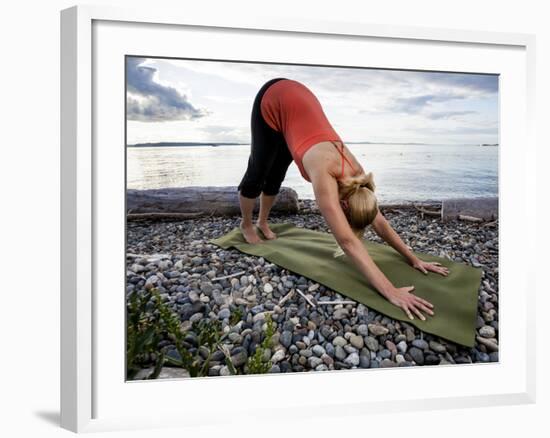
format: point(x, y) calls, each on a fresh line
point(351, 185)
point(366, 181)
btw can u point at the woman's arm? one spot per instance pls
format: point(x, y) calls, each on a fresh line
point(383, 228)
point(325, 189)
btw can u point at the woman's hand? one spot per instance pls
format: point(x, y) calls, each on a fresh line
point(424, 267)
point(403, 298)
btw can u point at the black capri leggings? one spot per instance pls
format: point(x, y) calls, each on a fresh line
point(269, 154)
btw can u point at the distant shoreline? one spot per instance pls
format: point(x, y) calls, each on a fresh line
point(183, 143)
point(215, 144)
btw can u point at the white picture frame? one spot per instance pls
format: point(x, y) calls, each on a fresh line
point(91, 396)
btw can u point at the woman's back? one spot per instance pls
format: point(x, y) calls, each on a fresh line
point(289, 107)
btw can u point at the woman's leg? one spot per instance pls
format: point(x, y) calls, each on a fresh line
point(266, 202)
point(263, 151)
point(250, 188)
point(273, 181)
point(246, 225)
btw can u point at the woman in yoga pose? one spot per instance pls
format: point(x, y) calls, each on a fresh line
point(288, 123)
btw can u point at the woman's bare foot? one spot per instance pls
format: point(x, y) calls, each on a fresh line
point(267, 232)
point(249, 234)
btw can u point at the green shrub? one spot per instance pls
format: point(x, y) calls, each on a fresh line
point(143, 333)
point(148, 324)
point(256, 363)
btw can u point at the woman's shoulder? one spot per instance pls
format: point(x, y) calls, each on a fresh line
point(325, 157)
point(318, 157)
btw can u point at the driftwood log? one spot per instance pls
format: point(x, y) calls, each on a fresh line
point(189, 202)
point(425, 212)
point(472, 209)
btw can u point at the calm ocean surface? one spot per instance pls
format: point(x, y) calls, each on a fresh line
point(401, 172)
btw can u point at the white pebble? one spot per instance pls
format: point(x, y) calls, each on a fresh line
point(278, 356)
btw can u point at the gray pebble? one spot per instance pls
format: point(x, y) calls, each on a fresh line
point(487, 331)
point(387, 363)
point(340, 314)
point(278, 356)
point(371, 343)
point(239, 358)
point(417, 355)
point(224, 313)
point(402, 347)
point(340, 353)
point(314, 361)
point(431, 359)
point(352, 359)
point(357, 341)
point(339, 341)
point(377, 329)
point(364, 361)
point(437, 347)
point(362, 330)
point(420, 343)
point(286, 338)
point(318, 350)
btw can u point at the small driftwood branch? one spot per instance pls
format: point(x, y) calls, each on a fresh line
point(388, 209)
point(229, 276)
point(396, 210)
point(326, 303)
point(148, 256)
point(426, 212)
point(464, 217)
point(490, 224)
point(306, 298)
point(267, 312)
point(286, 297)
point(241, 272)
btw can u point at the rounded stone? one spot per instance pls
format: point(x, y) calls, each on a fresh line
point(420, 343)
point(318, 350)
point(377, 329)
point(371, 343)
point(431, 359)
point(352, 359)
point(339, 341)
point(417, 355)
point(339, 353)
point(402, 347)
point(437, 347)
point(362, 330)
point(224, 313)
point(357, 341)
point(286, 338)
point(487, 331)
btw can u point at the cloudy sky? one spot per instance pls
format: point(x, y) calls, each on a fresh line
point(211, 101)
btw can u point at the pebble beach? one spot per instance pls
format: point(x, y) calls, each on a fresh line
point(199, 280)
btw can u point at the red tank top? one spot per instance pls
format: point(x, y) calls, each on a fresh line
point(291, 108)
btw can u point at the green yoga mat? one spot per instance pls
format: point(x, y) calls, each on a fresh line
point(311, 254)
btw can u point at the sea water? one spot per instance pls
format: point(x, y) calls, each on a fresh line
point(402, 172)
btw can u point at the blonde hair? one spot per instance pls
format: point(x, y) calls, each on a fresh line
point(358, 191)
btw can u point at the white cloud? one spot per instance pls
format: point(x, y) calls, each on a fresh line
point(362, 104)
